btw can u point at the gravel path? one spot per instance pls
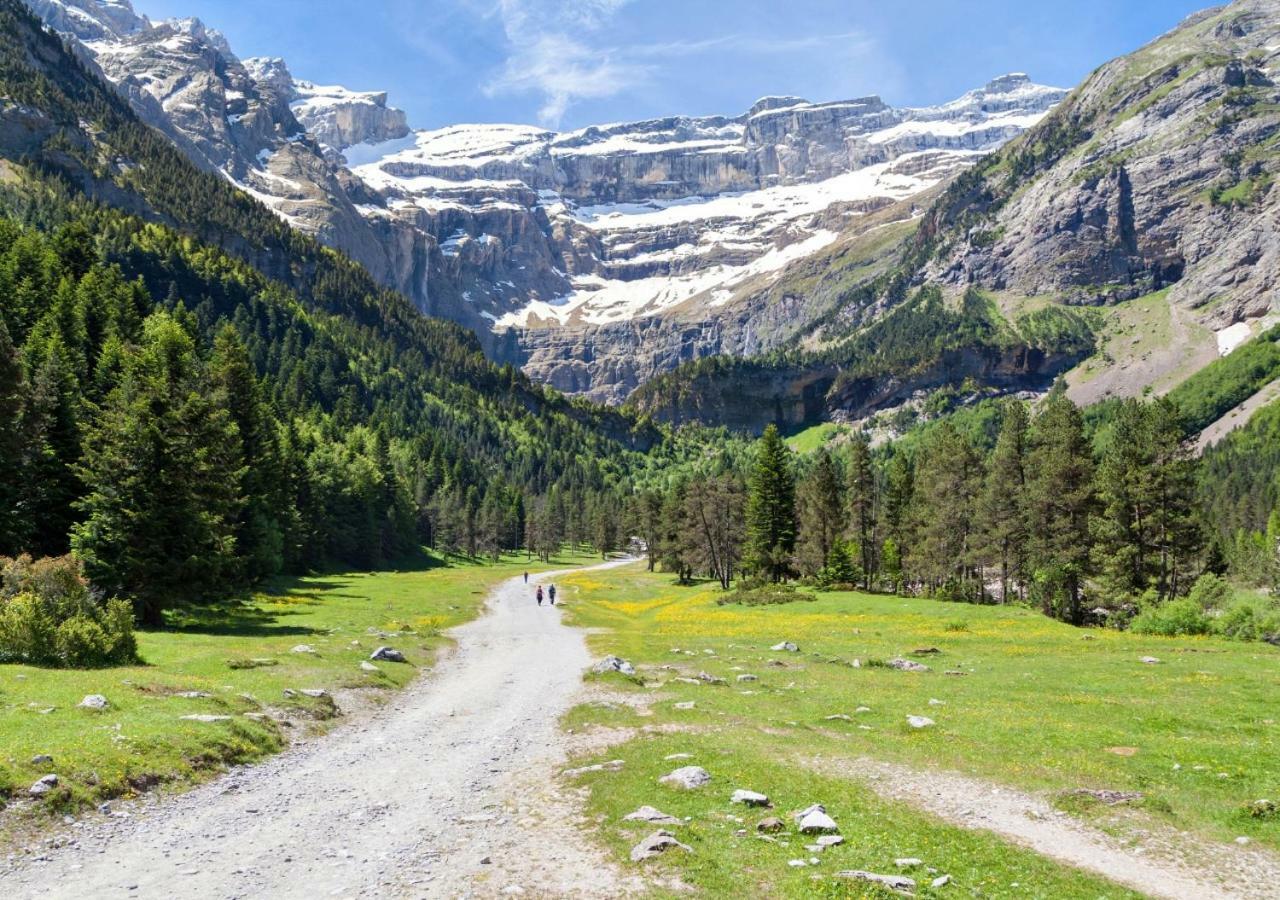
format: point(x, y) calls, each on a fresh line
point(449, 791)
point(1163, 863)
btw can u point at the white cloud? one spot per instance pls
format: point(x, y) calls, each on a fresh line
point(561, 50)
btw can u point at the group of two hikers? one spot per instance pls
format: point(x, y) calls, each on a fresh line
point(551, 591)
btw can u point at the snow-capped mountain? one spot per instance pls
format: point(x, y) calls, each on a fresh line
point(559, 249)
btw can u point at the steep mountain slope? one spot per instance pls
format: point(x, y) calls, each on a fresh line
point(337, 347)
point(1142, 207)
point(567, 253)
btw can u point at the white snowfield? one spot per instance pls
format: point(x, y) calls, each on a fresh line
point(861, 152)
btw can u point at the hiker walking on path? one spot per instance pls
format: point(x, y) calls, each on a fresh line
point(526, 577)
point(539, 595)
point(551, 592)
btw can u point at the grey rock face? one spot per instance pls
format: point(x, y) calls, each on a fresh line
point(43, 786)
point(94, 702)
point(613, 664)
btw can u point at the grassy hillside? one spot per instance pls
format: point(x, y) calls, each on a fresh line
point(1039, 705)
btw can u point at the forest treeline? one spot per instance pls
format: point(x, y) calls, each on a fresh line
point(1082, 520)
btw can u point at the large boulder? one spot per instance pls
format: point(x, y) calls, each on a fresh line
point(814, 820)
point(94, 702)
point(387, 654)
point(43, 786)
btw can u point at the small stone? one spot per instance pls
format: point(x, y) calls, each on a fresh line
point(193, 695)
point(316, 693)
point(908, 862)
point(907, 665)
point(863, 709)
point(687, 778)
point(785, 647)
point(43, 786)
point(1149, 660)
point(486, 861)
point(656, 844)
point(387, 654)
point(686, 704)
point(748, 678)
point(1242, 841)
point(770, 825)
point(94, 701)
point(838, 717)
point(42, 759)
point(303, 648)
point(920, 721)
point(829, 840)
point(650, 814)
point(749, 798)
point(672, 756)
point(796, 863)
point(941, 881)
point(900, 883)
point(613, 664)
point(612, 765)
point(204, 717)
point(708, 678)
point(368, 666)
point(933, 701)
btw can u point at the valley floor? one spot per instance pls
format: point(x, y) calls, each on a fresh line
point(448, 791)
point(1120, 774)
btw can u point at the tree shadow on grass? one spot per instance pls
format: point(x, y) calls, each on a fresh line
point(238, 620)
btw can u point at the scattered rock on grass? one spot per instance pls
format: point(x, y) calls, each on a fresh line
point(908, 862)
point(316, 693)
point(685, 704)
point(1110, 798)
point(941, 881)
point(838, 717)
point(368, 666)
point(687, 778)
point(612, 765)
point(899, 883)
point(193, 695)
point(920, 721)
point(94, 701)
point(748, 678)
point(650, 814)
point(613, 664)
point(749, 798)
point(303, 648)
point(786, 647)
point(43, 786)
point(1149, 660)
point(387, 654)
point(829, 840)
point(655, 845)
point(672, 756)
point(205, 717)
point(770, 825)
point(42, 759)
point(708, 678)
point(907, 665)
point(815, 820)
point(925, 651)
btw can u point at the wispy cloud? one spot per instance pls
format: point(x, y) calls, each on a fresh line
point(565, 51)
point(552, 54)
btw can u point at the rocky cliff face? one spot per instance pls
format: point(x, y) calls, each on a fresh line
point(594, 258)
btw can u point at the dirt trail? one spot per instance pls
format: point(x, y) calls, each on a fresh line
point(1163, 863)
point(449, 791)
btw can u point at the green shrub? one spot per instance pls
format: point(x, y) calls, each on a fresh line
point(49, 617)
point(1210, 592)
point(767, 595)
point(28, 633)
point(1248, 620)
point(1176, 617)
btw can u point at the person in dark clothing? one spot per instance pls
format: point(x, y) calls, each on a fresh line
point(526, 577)
point(539, 595)
point(551, 592)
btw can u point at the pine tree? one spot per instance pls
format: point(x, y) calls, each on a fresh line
point(862, 506)
point(897, 501)
point(713, 526)
point(163, 474)
point(771, 513)
point(947, 479)
point(1001, 511)
point(820, 512)
point(1060, 500)
point(14, 525)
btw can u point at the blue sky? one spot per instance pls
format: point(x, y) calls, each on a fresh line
point(568, 63)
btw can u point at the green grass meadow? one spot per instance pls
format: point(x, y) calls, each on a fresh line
point(243, 659)
point(1040, 706)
